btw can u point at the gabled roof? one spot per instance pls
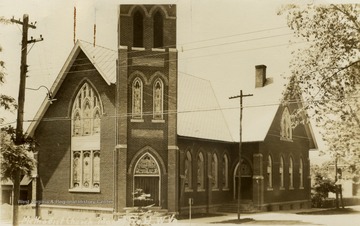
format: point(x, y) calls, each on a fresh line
point(258, 111)
point(103, 59)
point(199, 113)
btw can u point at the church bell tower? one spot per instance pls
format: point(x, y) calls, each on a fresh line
point(146, 154)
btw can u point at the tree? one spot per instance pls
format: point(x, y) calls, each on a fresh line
point(6, 102)
point(15, 158)
point(327, 71)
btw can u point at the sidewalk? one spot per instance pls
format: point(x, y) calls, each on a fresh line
point(289, 217)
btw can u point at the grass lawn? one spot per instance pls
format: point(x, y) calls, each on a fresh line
point(332, 211)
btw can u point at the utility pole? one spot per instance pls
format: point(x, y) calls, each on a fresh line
point(240, 149)
point(20, 113)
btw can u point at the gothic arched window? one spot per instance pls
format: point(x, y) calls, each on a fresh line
point(200, 171)
point(291, 173)
point(137, 99)
point(188, 171)
point(158, 99)
point(301, 173)
point(225, 172)
point(285, 125)
point(158, 30)
point(85, 142)
point(269, 172)
point(281, 172)
point(138, 29)
point(214, 171)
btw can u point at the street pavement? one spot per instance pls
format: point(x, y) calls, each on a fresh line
point(289, 217)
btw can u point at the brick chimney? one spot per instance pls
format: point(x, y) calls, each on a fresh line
point(260, 75)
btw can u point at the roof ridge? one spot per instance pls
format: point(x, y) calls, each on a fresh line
point(80, 40)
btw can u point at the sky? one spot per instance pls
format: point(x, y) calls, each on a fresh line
point(217, 40)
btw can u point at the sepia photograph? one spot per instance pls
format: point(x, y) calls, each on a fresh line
point(180, 112)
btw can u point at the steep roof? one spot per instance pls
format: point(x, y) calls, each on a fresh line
point(258, 111)
point(103, 59)
point(199, 113)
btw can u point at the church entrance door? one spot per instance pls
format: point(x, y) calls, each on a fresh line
point(146, 182)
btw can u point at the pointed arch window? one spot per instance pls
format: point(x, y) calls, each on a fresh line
point(225, 172)
point(214, 171)
point(188, 171)
point(158, 30)
point(281, 172)
point(137, 99)
point(269, 172)
point(85, 141)
point(285, 125)
point(301, 173)
point(291, 173)
point(200, 172)
point(158, 99)
point(138, 29)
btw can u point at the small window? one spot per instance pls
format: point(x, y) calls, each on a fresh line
point(291, 173)
point(158, 101)
point(225, 172)
point(269, 172)
point(285, 126)
point(138, 30)
point(158, 30)
point(188, 171)
point(214, 171)
point(200, 172)
point(137, 99)
point(301, 173)
point(281, 172)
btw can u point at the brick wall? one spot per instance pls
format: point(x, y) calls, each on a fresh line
point(53, 136)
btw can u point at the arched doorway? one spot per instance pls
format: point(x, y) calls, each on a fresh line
point(146, 189)
point(246, 180)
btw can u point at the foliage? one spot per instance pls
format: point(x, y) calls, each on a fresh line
point(6, 102)
point(320, 190)
point(326, 72)
point(15, 158)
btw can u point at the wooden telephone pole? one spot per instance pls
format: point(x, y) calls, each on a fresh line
point(21, 100)
point(240, 149)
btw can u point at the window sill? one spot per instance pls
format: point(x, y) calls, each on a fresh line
point(291, 188)
point(282, 188)
point(269, 189)
point(200, 190)
point(158, 121)
point(301, 188)
point(189, 190)
point(215, 189)
point(85, 190)
point(226, 189)
point(136, 120)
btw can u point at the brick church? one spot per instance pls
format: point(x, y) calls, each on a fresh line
point(127, 129)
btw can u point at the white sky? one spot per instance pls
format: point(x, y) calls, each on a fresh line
point(211, 37)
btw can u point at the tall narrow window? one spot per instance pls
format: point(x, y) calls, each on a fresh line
point(158, 101)
point(137, 95)
point(225, 171)
point(188, 171)
point(85, 141)
point(281, 172)
point(301, 173)
point(214, 171)
point(291, 173)
point(285, 125)
point(158, 30)
point(269, 172)
point(138, 30)
point(200, 171)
